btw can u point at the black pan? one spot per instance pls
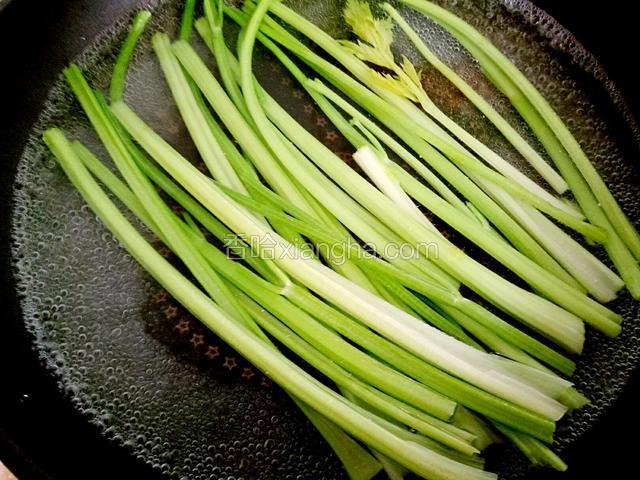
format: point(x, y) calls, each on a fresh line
point(155, 396)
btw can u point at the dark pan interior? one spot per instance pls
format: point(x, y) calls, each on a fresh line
point(148, 377)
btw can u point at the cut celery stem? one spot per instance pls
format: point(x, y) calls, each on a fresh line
point(510, 133)
point(116, 89)
point(328, 109)
point(342, 412)
point(378, 204)
point(357, 91)
point(355, 459)
point(507, 225)
point(309, 227)
point(593, 313)
point(191, 113)
point(349, 212)
point(476, 42)
point(357, 462)
point(537, 453)
point(593, 275)
point(397, 429)
point(216, 42)
point(314, 231)
point(485, 436)
point(503, 222)
point(429, 130)
point(143, 189)
point(403, 413)
point(395, 323)
point(186, 24)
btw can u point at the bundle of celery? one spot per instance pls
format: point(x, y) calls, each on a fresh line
point(332, 264)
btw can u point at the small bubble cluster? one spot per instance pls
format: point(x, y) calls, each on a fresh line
point(170, 392)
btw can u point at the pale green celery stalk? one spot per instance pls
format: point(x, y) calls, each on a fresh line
point(620, 255)
point(528, 373)
point(248, 88)
point(194, 117)
point(443, 432)
point(319, 309)
point(373, 162)
point(383, 111)
point(330, 344)
point(222, 233)
point(387, 275)
point(346, 268)
point(488, 228)
point(328, 109)
point(113, 183)
point(622, 258)
point(485, 335)
point(589, 230)
point(415, 418)
point(237, 246)
point(403, 413)
point(308, 226)
point(507, 255)
point(416, 163)
point(214, 18)
point(505, 223)
point(191, 113)
point(116, 89)
point(476, 42)
point(315, 231)
point(485, 436)
point(334, 200)
point(491, 339)
point(373, 237)
point(537, 453)
point(145, 192)
point(251, 141)
point(228, 63)
point(597, 278)
point(186, 23)
point(355, 459)
point(424, 340)
point(400, 431)
point(391, 468)
point(342, 412)
point(401, 359)
point(539, 252)
point(359, 16)
point(510, 133)
point(486, 319)
point(415, 232)
point(570, 397)
point(426, 312)
point(430, 131)
point(574, 399)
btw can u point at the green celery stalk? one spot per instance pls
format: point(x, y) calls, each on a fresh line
point(510, 133)
point(291, 377)
point(116, 88)
point(186, 24)
point(469, 36)
point(366, 306)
